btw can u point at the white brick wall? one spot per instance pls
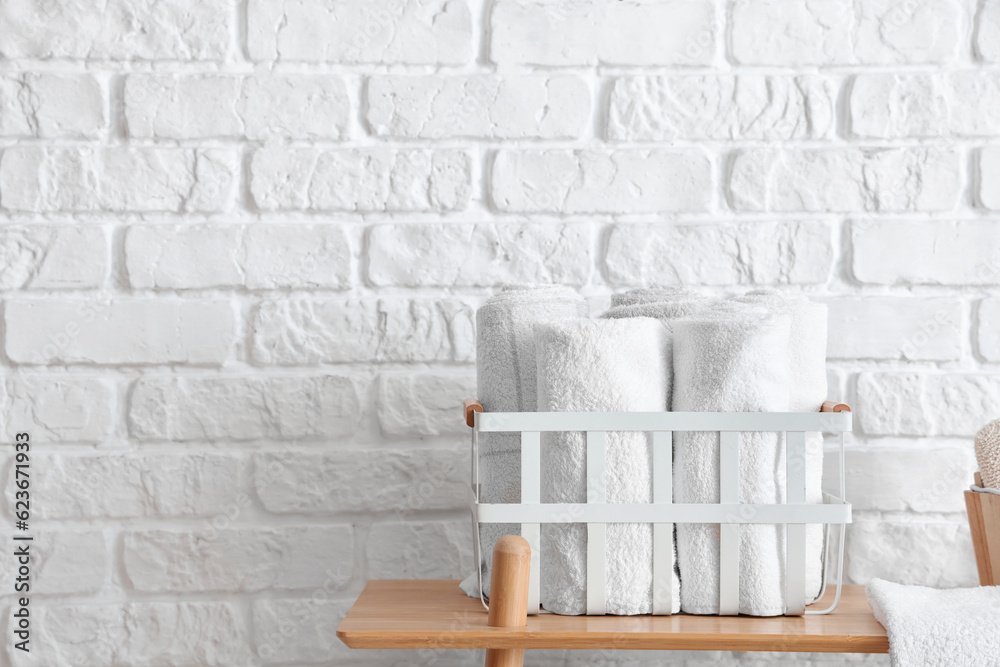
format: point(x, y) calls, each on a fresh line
point(242, 243)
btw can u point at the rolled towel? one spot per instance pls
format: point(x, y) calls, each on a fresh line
point(641, 295)
point(930, 627)
point(600, 366)
point(733, 358)
point(505, 366)
point(988, 454)
point(806, 393)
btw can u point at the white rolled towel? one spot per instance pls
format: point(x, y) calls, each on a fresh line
point(634, 297)
point(505, 366)
point(731, 359)
point(600, 366)
point(806, 392)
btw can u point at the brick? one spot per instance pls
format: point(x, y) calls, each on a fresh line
point(361, 180)
point(841, 32)
point(908, 480)
point(243, 408)
point(923, 554)
point(960, 104)
point(39, 179)
point(240, 560)
point(298, 631)
point(188, 633)
point(308, 331)
point(53, 257)
point(383, 480)
point(118, 30)
point(134, 485)
point(598, 181)
point(720, 254)
point(361, 31)
point(51, 106)
point(222, 105)
point(933, 253)
point(989, 177)
point(119, 331)
point(926, 405)
point(725, 107)
point(420, 550)
point(988, 33)
point(895, 328)
point(602, 33)
point(988, 329)
point(424, 403)
point(872, 179)
point(57, 408)
point(467, 255)
point(257, 256)
point(487, 107)
point(63, 562)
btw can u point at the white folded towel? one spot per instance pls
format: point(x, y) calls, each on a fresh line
point(505, 366)
point(929, 627)
point(806, 392)
point(732, 358)
point(641, 295)
point(600, 366)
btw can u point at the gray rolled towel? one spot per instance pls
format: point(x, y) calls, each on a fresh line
point(732, 358)
point(506, 377)
point(600, 366)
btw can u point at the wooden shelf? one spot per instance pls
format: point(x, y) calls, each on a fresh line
point(436, 614)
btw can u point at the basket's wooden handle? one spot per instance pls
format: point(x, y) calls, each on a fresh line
point(469, 406)
point(830, 406)
point(509, 596)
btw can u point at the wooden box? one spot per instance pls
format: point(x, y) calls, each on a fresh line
point(984, 521)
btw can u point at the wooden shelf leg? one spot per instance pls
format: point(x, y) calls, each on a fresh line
point(509, 596)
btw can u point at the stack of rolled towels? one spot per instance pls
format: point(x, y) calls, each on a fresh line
point(663, 349)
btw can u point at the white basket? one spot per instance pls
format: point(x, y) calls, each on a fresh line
point(729, 513)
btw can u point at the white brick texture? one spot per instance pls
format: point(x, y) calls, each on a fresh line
point(242, 244)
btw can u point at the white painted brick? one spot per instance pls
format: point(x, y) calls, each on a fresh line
point(929, 252)
point(308, 331)
point(597, 181)
point(361, 31)
point(298, 631)
point(872, 179)
point(382, 480)
point(241, 560)
point(965, 104)
point(63, 562)
point(489, 107)
point(841, 32)
point(134, 485)
point(910, 480)
point(720, 254)
point(926, 405)
point(48, 105)
point(57, 408)
point(118, 30)
point(452, 255)
point(603, 33)
point(423, 404)
point(52, 256)
point(176, 633)
point(34, 178)
point(988, 33)
point(376, 179)
point(243, 408)
point(220, 105)
point(258, 256)
point(750, 106)
point(895, 328)
point(923, 554)
point(988, 329)
point(119, 331)
point(989, 177)
point(420, 550)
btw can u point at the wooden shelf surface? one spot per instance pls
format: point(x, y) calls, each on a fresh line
point(436, 614)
